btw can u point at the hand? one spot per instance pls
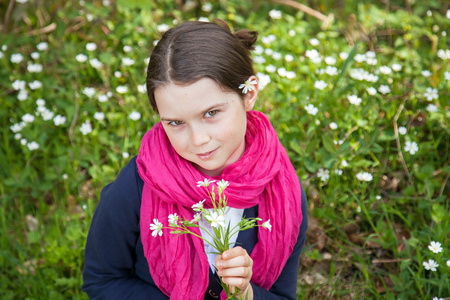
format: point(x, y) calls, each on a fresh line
point(235, 268)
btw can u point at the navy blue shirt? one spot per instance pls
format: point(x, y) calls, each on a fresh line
point(115, 266)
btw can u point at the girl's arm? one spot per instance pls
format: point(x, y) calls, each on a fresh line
point(286, 285)
point(110, 254)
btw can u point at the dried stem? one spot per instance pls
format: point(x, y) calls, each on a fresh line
point(325, 19)
point(397, 139)
point(43, 30)
point(8, 15)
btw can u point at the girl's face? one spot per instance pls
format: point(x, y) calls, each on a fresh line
point(204, 124)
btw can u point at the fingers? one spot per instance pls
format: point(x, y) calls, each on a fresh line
point(235, 267)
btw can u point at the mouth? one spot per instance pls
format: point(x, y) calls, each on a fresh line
point(207, 155)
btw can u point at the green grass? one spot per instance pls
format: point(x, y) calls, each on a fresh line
point(367, 239)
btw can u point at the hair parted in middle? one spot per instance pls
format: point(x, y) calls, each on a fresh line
point(194, 50)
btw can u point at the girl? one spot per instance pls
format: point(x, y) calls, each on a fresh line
point(201, 82)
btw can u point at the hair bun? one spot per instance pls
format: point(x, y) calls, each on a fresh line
point(247, 38)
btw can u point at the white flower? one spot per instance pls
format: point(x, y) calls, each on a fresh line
point(91, 46)
point(35, 55)
point(95, 63)
point(396, 67)
point(371, 91)
point(197, 218)
point(142, 88)
point(385, 70)
point(288, 57)
point(59, 120)
point(127, 61)
point(125, 154)
point(28, 118)
point(1, 54)
point(134, 115)
point(378, 197)
point(117, 74)
point(268, 51)
point(329, 60)
point(338, 172)
point(333, 125)
point(344, 163)
point(81, 58)
point(33, 146)
point(47, 114)
point(443, 54)
point(19, 84)
point(173, 219)
point(34, 85)
point(435, 247)
point(17, 127)
point(384, 89)
point(402, 130)
point(310, 109)
point(163, 27)
point(323, 174)
point(426, 73)
point(22, 1)
point(447, 75)
point(263, 80)
point(16, 58)
point(343, 55)
point(291, 75)
point(22, 95)
point(430, 265)
point(99, 116)
point(436, 298)
point(86, 128)
point(42, 46)
point(4, 47)
point(448, 263)
point(364, 176)
point(205, 183)
point(332, 71)
point(267, 225)
point(282, 72)
point(432, 108)
point(23, 142)
point(275, 14)
point(292, 32)
point(207, 7)
point(248, 86)
point(102, 98)
point(411, 147)
point(360, 57)
point(89, 91)
point(40, 102)
point(431, 94)
point(17, 136)
point(312, 53)
point(156, 227)
point(320, 84)
point(127, 48)
point(370, 54)
point(314, 42)
point(271, 68)
point(371, 61)
point(222, 185)
point(215, 219)
point(122, 89)
point(354, 99)
point(34, 68)
point(258, 50)
point(106, 2)
point(259, 60)
point(198, 206)
point(276, 55)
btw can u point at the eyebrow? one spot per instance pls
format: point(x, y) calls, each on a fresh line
point(213, 107)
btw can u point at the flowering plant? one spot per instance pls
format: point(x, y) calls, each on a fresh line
point(222, 231)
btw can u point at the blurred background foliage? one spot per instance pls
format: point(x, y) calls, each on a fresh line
point(358, 92)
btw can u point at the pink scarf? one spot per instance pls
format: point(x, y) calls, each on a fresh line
point(263, 176)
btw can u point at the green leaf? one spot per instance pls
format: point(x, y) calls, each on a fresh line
point(328, 144)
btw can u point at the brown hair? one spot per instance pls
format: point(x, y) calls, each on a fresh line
point(195, 50)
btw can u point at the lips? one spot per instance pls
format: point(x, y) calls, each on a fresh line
point(207, 155)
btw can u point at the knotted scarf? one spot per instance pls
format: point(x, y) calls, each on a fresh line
point(263, 176)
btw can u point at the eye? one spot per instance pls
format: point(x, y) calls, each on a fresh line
point(211, 113)
point(176, 123)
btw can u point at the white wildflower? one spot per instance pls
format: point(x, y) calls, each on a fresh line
point(288, 57)
point(275, 14)
point(40, 102)
point(364, 176)
point(311, 109)
point(205, 183)
point(268, 51)
point(81, 58)
point(19, 84)
point(431, 94)
point(282, 72)
point(329, 60)
point(371, 61)
point(271, 68)
point(33, 146)
point(402, 130)
point(343, 55)
point(385, 70)
point(102, 98)
point(16, 58)
point(17, 136)
point(163, 27)
point(276, 55)
point(291, 75)
point(371, 91)
point(320, 84)
point(95, 63)
point(354, 99)
point(384, 89)
point(333, 126)
point(28, 118)
point(34, 68)
point(207, 7)
point(267, 225)
point(142, 88)
point(42, 46)
point(86, 128)
point(35, 55)
point(91, 46)
point(127, 61)
point(117, 74)
point(360, 58)
point(332, 71)
point(22, 95)
point(323, 174)
point(396, 67)
point(99, 116)
point(134, 116)
point(435, 247)
point(259, 60)
point(198, 206)
point(215, 219)
point(426, 73)
point(430, 265)
point(292, 32)
point(173, 219)
point(127, 48)
point(314, 42)
point(222, 185)
point(122, 89)
point(59, 120)
point(46, 114)
point(197, 218)
point(338, 172)
point(34, 85)
point(263, 80)
point(89, 91)
point(411, 147)
point(258, 50)
point(125, 154)
point(447, 75)
point(23, 142)
point(432, 108)
point(156, 227)
point(344, 163)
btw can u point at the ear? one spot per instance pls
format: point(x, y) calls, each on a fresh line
point(250, 97)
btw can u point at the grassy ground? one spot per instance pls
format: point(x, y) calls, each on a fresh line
point(358, 93)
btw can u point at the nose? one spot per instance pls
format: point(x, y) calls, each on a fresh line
point(199, 135)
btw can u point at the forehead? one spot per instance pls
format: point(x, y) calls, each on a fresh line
point(174, 100)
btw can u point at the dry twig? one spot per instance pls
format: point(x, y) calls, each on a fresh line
point(325, 19)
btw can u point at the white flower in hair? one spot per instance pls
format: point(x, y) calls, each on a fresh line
point(248, 86)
